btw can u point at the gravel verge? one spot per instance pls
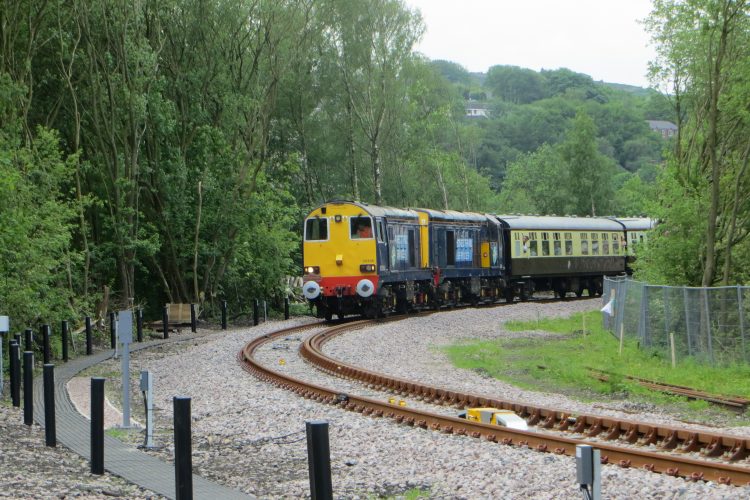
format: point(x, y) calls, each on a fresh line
point(249, 435)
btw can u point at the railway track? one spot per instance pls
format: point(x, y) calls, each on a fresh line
point(669, 450)
point(735, 403)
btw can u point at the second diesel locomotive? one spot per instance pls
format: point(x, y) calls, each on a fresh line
point(367, 259)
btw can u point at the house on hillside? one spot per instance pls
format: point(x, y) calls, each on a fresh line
point(665, 128)
point(475, 109)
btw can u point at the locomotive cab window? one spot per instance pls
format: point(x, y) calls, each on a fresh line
point(361, 228)
point(316, 229)
point(381, 233)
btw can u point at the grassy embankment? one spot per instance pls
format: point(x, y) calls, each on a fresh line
point(558, 354)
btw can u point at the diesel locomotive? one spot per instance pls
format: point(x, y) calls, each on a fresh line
point(372, 260)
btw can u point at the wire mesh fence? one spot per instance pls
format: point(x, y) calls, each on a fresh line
point(707, 324)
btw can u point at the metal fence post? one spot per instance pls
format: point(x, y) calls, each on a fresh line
point(97, 425)
point(89, 336)
point(286, 307)
point(642, 317)
point(667, 319)
point(165, 321)
point(319, 459)
point(223, 314)
point(64, 335)
point(50, 433)
point(708, 326)
point(686, 302)
point(740, 305)
point(28, 388)
point(139, 324)
point(256, 320)
point(183, 466)
point(112, 331)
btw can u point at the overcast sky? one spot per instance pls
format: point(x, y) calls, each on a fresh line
point(601, 38)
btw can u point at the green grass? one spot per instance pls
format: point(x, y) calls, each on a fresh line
point(559, 360)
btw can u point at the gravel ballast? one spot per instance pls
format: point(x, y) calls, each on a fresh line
point(249, 435)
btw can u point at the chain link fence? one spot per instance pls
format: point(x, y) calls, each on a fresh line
point(707, 324)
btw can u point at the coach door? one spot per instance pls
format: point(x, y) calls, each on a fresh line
point(381, 236)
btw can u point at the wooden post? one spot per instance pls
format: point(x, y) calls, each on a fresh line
point(671, 345)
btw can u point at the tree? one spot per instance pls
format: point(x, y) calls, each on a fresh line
point(590, 172)
point(708, 70)
point(516, 85)
point(536, 183)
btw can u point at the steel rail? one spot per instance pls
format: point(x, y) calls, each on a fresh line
point(668, 439)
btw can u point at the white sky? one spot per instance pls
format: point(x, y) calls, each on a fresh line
point(601, 38)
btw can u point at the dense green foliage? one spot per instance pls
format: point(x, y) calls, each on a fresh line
point(557, 355)
point(167, 150)
point(703, 198)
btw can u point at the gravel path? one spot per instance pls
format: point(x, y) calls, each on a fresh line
point(250, 435)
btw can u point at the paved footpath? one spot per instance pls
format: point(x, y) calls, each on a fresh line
point(74, 431)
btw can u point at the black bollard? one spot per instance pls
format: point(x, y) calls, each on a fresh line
point(17, 338)
point(27, 339)
point(286, 307)
point(193, 325)
point(28, 388)
point(89, 336)
point(64, 329)
point(223, 314)
point(112, 332)
point(50, 434)
point(165, 321)
point(319, 459)
point(139, 324)
point(183, 466)
point(255, 313)
point(45, 337)
point(15, 374)
point(97, 425)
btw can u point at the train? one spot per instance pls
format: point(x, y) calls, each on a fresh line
point(362, 259)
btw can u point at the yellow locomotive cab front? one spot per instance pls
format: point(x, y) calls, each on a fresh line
point(339, 250)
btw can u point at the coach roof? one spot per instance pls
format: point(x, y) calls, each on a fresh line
point(553, 223)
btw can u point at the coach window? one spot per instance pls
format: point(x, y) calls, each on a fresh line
point(568, 243)
point(557, 244)
point(545, 243)
point(584, 244)
point(605, 243)
point(361, 228)
point(316, 229)
point(615, 244)
point(594, 244)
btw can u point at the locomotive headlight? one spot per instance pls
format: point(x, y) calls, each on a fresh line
point(367, 268)
point(312, 269)
point(365, 288)
point(311, 290)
